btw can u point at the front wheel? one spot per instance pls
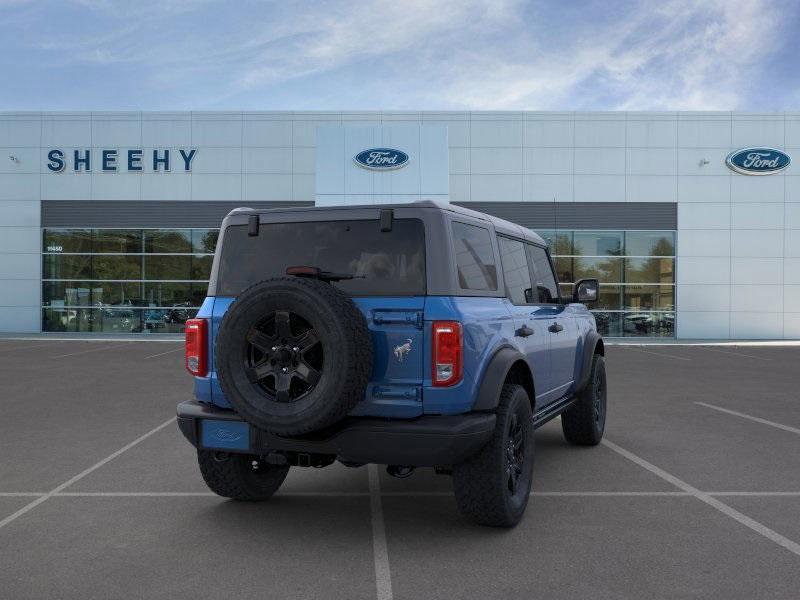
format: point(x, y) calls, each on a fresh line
point(493, 487)
point(240, 476)
point(583, 423)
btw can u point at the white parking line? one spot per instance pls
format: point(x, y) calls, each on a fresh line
point(734, 514)
point(751, 418)
point(163, 353)
point(657, 353)
point(742, 354)
point(380, 551)
point(31, 505)
point(87, 351)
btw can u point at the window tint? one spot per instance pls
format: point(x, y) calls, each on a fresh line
point(474, 257)
point(515, 270)
point(390, 263)
point(546, 287)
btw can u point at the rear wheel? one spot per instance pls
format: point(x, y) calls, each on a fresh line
point(583, 423)
point(240, 476)
point(493, 487)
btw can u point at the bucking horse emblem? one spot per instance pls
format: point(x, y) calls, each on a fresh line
point(401, 350)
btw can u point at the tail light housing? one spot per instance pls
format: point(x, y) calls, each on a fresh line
point(197, 347)
point(447, 365)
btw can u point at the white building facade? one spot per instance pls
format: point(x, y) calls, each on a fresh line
point(108, 220)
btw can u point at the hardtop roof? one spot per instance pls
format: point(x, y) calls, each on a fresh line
point(500, 225)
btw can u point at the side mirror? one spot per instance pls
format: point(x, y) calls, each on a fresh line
point(586, 290)
point(529, 295)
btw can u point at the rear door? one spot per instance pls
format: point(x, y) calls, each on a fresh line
point(530, 332)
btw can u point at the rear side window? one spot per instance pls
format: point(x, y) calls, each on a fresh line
point(515, 270)
point(546, 287)
point(474, 257)
point(390, 263)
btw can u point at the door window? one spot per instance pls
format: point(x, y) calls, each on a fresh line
point(515, 270)
point(542, 270)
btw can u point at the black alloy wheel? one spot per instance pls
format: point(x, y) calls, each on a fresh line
point(283, 356)
point(515, 453)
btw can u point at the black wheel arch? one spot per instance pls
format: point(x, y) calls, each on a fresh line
point(507, 365)
point(593, 344)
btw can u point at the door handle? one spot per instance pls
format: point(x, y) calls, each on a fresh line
point(524, 331)
point(555, 328)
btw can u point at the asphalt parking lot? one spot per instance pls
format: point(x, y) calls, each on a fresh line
point(695, 493)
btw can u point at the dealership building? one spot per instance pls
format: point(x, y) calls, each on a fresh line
point(690, 220)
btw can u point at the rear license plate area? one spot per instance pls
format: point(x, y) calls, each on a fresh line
point(225, 435)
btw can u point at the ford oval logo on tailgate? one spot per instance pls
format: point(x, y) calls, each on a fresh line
point(381, 159)
point(758, 161)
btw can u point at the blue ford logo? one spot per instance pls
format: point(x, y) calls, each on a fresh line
point(758, 161)
point(225, 435)
point(381, 159)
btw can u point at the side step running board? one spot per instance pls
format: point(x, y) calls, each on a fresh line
point(552, 410)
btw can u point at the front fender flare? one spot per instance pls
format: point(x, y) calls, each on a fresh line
point(589, 350)
point(493, 377)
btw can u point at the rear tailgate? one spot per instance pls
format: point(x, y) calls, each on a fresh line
point(397, 327)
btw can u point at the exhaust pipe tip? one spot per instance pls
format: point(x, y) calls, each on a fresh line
point(400, 471)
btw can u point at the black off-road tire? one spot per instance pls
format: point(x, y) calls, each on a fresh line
point(344, 339)
point(240, 476)
point(481, 484)
point(583, 423)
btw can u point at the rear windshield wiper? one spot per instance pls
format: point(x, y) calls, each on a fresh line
point(317, 273)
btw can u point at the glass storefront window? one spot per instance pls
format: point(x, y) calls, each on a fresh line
point(607, 270)
point(123, 241)
point(650, 243)
point(636, 270)
point(168, 241)
point(597, 243)
point(124, 280)
point(67, 240)
point(650, 270)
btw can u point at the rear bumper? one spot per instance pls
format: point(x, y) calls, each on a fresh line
point(427, 441)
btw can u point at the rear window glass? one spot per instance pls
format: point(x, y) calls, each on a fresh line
point(474, 257)
point(390, 263)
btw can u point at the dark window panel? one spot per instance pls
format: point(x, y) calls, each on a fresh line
point(201, 267)
point(649, 270)
point(474, 257)
point(91, 293)
point(168, 241)
point(609, 324)
point(650, 243)
point(606, 270)
point(544, 279)
point(204, 241)
point(117, 267)
point(117, 240)
point(649, 297)
point(167, 267)
point(169, 294)
point(67, 240)
point(564, 269)
point(515, 270)
point(648, 324)
point(67, 266)
point(597, 243)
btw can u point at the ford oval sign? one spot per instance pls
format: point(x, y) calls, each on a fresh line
point(381, 159)
point(758, 161)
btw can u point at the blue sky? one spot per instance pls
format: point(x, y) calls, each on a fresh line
point(400, 54)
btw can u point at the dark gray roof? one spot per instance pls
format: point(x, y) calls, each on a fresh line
point(500, 225)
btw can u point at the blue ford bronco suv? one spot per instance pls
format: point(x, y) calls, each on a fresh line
point(410, 335)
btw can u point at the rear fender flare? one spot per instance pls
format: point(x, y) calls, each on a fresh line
point(494, 376)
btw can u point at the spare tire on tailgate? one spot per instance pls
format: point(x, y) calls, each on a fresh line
point(293, 355)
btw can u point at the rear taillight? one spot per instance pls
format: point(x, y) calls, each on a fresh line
point(196, 348)
point(446, 358)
